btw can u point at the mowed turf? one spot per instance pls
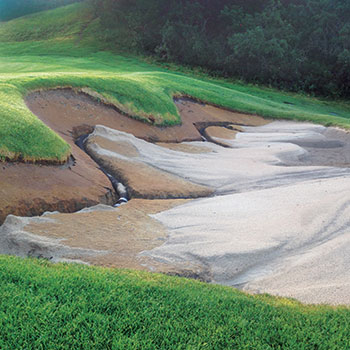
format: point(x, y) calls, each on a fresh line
point(48, 306)
point(62, 48)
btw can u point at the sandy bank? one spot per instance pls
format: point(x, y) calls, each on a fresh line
point(56, 108)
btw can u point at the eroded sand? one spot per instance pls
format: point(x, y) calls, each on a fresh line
point(100, 235)
point(138, 171)
point(28, 189)
point(276, 221)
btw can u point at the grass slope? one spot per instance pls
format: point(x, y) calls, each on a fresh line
point(47, 306)
point(70, 57)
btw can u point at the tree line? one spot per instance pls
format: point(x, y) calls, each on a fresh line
point(299, 45)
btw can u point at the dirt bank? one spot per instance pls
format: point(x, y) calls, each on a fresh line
point(28, 189)
point(63, 110)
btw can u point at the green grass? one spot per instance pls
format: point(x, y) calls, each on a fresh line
point(71, 56)
point(48, 306)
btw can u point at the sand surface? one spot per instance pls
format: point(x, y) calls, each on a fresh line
point(256, 160)
point(283, 227)
point(133, 163)
point(276, 224)
point(101, 235)
point(274, 216)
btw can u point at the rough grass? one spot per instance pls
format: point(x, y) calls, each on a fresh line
point(70, 57)
point(47, 306)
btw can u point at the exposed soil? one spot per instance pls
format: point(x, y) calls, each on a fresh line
point(28, 189)
point(63, 109)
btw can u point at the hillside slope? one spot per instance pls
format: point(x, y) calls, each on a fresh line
point(61, 48)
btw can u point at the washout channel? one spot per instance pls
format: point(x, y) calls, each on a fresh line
point(119, 188)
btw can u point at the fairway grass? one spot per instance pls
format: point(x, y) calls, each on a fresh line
point(61, 306)
point(68, 58)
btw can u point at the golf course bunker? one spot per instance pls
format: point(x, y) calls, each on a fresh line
point(263, 206)
point(278, 220)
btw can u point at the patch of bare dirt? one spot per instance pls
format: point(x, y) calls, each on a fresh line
point(192, 112)
point(28, 189)
point(64, 110)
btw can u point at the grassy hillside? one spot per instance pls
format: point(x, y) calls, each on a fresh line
point(70, 57)
point(46, 306)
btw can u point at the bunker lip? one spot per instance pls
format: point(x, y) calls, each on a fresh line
point(56, 105)
point(22, 160)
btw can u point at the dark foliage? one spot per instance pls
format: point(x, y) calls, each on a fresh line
point(300, 45)
point(10, 9)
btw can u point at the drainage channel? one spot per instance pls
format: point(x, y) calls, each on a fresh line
point(202, 126)
point(118, 187)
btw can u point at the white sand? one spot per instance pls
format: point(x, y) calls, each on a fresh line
point(257, 160)
point(280, 218)
point(288, 230)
